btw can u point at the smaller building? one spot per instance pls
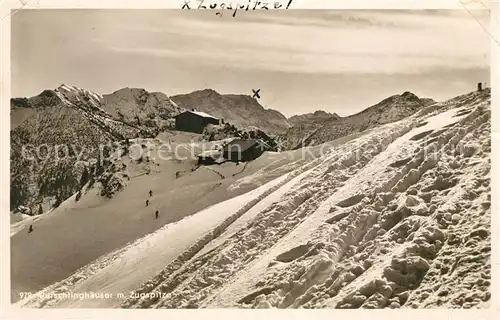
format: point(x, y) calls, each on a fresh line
point(194, 121)
point(242, 150)
point(210, 157)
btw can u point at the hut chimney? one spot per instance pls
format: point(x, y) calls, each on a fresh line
point(479, 86)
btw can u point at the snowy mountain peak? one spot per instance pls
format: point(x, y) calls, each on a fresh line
point(66, 87)
point(46, 98)
point(410, 96)
point(315, 117)
point(72, 95)
point(238, 109)
point(321, 113)
point(208, 91)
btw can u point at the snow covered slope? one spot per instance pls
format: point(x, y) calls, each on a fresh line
point(71, 118)
point(396, 217)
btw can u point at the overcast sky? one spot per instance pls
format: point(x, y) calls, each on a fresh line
point(302, 60)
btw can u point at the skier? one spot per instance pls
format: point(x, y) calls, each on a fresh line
point(30, 230)
point(150, 193)
point(157, 213)
point(147, 202)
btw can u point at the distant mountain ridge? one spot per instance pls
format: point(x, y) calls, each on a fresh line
point(152, 111)
point(313, 130)
point(316, 116)
point(240, 110)
point(305, 124)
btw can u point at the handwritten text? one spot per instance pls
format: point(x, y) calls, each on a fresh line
point(234, 7)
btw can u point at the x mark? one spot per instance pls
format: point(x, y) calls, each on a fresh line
point(256, 93)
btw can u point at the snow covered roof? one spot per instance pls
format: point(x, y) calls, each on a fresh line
point(239, 145)
point(203, 114)
point(199, 113)
point(209, 153)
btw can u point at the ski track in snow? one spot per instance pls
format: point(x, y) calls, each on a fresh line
point(398, 218)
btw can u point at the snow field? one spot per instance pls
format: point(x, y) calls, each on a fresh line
point(399, 219)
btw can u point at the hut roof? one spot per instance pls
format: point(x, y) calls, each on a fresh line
point(210, 153)
point(239, 145)
point(198, 113)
